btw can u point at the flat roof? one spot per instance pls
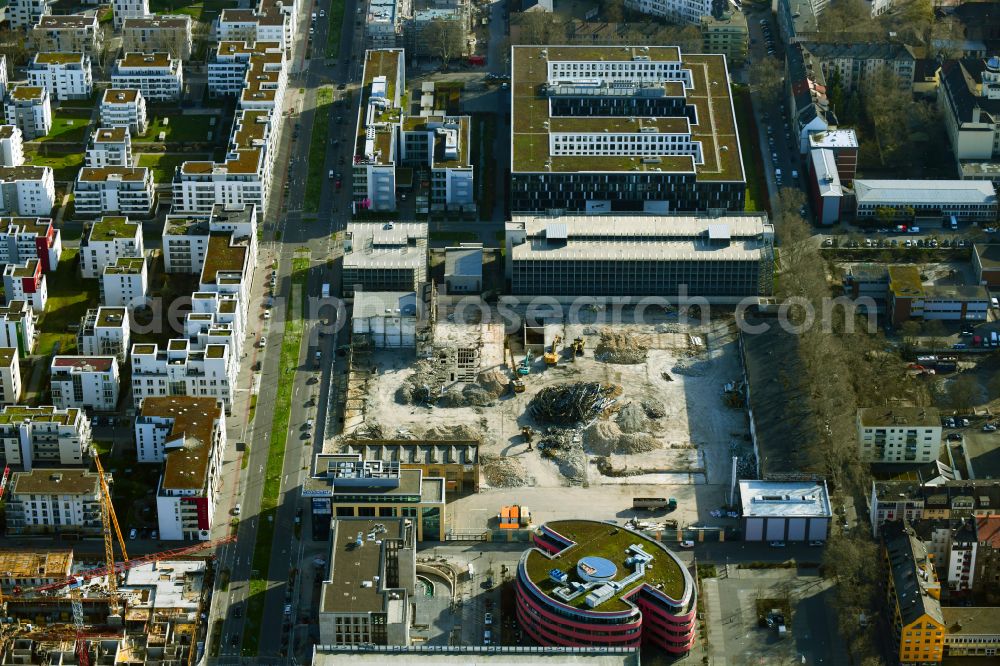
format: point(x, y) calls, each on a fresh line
point(120, 96)
point(110, 134)
point(786, 499)
point(224, 255)
point(956, 292)
point(112, 227)
point(111, 316)
point(379, 62)
point(85, 363)
point(8, 356)
point(57, 58)
point(169, 21)
point(827, 177)
point(42, 414)
point(140, 60)
point(54, 481)
point(924, 191)
point(104, 174)
point(473, 655)
point(126, 266)
point(34, 564)
point(464, 261)
point(989, 255)
point(173, 584)
point(604, 541)
point(27, 93)
point(384, 304)
point(387, 245)
point(838, 138)
point(50, 21)
point(904, 282)
point(709, 94)
point(971, 621)
point(353, 569)
point(194, 421)
point(26, 225)
point(916, 417)
point(416, 452)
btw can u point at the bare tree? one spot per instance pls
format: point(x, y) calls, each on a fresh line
point(13, 46)
point(766, 82)
point(445, 39)
point(963, 392)
point(536, 28)
point(613, 11)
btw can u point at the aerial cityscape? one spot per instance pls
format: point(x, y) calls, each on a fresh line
point(500, 332)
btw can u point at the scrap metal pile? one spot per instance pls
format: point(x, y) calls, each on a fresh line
point(570, 404)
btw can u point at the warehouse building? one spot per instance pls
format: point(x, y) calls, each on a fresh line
point(728, 256)
point(785, 510)
point(388, 256)
point(622, 129)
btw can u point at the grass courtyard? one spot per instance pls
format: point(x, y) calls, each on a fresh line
point(164, 164)
point(68, 126)
point(178, 128)
point(65, 165)
point(69, 299)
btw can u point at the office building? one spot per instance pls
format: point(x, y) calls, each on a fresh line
point(966, 200)
point(40, 436)
point(67, 33)
point(899, 434)
point(373, 575)
point(909, 298)
point(188, 435)
point(158, 34)
point(986, 264)
point(124, 283)
point(26, 282)
point(123, 10)
point(345, 486)
point(109, 147)
point(10, 376)
point(388, 256)
point(126, 108)
point(105, 331)
point(23, 238)
point(843, 146)
point(124, 190)
point(729, 256)
point(54, 501)
point(622, 129)
point(586, 584)
point(106, 241)
point(387, 318)
point(785, 510)
point(11, 146)
point(457, 462)
point(63, 75)
point(463, 269)
point(29, 109)
point(158, 76)
point(84, 382)
point(17, 327)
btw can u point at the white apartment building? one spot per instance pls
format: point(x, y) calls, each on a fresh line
point(84, 382)
point(10, 376)
point(66, 33)
point(678, 11)
point(39, 436)
point(899, 434)
point(158, 76)
point(129, 9)
point(105, 331)
point(22, 14)
point(125, 190)
point(26, 282)
point(63, 75)
point(106, 241)
point(17, 327)
point(228, 67)
point(27, 190)
point(257, 26)
point(181, 370)
point(186, 238)
point(158, 34)
point(124, 107)
point(11, 146)
point(109, 147)
point(188, 435)
point(23, 238)
point(46, 501)
point(3, 76)
point(29, 108)
point(124, 283)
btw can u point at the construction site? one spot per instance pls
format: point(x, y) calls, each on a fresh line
point(562, 405)
point(55, 609)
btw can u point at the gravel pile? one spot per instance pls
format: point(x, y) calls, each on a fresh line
point(620, 347)
point(565, 449)
point(632, 418)
point(653, 410)
point(494, 381)
point(416, 390)
point(503, 472)
point(459, 431)
point(605, 438)
point(470, 395)
point(637, 442)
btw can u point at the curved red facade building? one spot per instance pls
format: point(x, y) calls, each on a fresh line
point(589, 583)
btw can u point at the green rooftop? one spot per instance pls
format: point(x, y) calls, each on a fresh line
point(110, 227)
point(221, 255)
point(597, 539)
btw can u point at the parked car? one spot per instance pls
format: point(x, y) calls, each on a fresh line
point(488, 619)
point(687, 544)
point(133, 533)
point(263, 341)
point(816, 543)
point(954, 437)
point(776, 544)
point(237, 509)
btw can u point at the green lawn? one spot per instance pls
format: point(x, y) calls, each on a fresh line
point(68, 126)
point(290, 345)
point(335, 16)
point(193, 9)
point(65, 166)
point(756, 192)
point(163, 165)
point(69, 298)
point(182, 129)
point(317, 179)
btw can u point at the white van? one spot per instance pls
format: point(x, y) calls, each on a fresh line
point(795, 174)
point(777, 173)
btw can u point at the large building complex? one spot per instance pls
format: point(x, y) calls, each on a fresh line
point(589, 583)
point(729, 256)
point(384, 256)
point(622, 129)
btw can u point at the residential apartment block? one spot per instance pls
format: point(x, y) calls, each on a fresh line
point(271, 21)
point(966, 200)
point(969, 99)
point(68, 33)
point(47, 501)
point(384, 257)
point(10, 376)
point(27, 191)
point(11, 146)
point(124, 190)
point(124, 10)
point(106, 241)
point(158, 76)
point(913, 596)
point(384, 24)
point(858, 64)
point(109, 147)
point(158, 34)
point(105, 331)
point(22, 14)
point(84, 382)
point(418, 38)
point(622, 129)
point(29, 109)
point(124, 107)
point(17, 327)
point(188, 435)
point(810, 107)
point(23, 238)
point(26, 282)
point(676, 11)
point(725, 31)
point(181, 370)
point(186, 239)
point(729, 256)
point(63, 75)
point(124, 283)
point(899, 434)
point(387, 140)
point(988, 557)
point(40, 436)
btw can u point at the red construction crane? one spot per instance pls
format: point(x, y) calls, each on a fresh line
point(3, 480)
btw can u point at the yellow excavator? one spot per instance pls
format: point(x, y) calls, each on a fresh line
point(552, 356)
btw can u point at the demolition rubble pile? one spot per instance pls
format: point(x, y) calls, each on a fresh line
point(503, 472)
point(565, 448)
point(572, 404)
point(620, 347)
point(419, 389)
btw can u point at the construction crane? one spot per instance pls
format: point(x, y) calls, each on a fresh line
point(108, 518)
point(3, 480)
